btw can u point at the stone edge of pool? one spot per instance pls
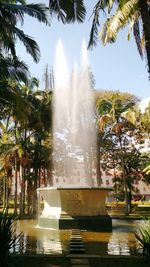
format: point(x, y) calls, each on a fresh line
point(94, 260)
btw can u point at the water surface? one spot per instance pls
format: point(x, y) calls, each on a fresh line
point(121, 241)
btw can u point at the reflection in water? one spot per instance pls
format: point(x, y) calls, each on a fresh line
point(122, 244)
point(45, 241)
point(38, 240)
point(122, 240)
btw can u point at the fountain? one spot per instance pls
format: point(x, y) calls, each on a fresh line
point(74, 200)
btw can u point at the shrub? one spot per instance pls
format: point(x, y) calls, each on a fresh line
point(8, 238)
point(143, 236)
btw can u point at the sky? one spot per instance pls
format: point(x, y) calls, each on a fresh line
point(116, 66)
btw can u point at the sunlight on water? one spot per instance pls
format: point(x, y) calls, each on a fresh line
point(37, 240)
point(121, 244)
point(45, 241)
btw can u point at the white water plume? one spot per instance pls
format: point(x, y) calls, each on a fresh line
point(73, 121)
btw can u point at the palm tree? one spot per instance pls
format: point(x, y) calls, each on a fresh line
point(132, 12)
point(13, 101)
point(112, 114)
point(12, 12)
point(25, 141)
point(12, 74)
point(38, 124)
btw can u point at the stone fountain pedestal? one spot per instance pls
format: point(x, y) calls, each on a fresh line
point(69, 208)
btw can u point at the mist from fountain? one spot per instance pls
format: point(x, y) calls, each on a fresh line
point(74, 134)
point(74, 200)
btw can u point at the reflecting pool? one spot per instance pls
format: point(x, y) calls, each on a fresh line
point(121, 241)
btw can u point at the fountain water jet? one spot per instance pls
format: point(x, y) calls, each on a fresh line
point(75, 201)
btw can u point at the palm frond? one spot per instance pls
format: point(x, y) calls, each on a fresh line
point(118, 21)
point(6, 15)
point(33, 82)
point(95, 27)
point(68, 11)
point(38, 11)
point(101, 5)
point(103, 122)
point(12, 98)
point(130, 116)
point(56, 9)
point(137, 36)
point(13, 69)
point(19, 71)
point(8, 41)
point(10, 14)
point(75, 11)
point(103, 106)
point(30, 44)
point(147, 170)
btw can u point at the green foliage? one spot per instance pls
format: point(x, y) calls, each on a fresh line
point(68, 11)
point(13, 69)
point(13, 12)
point(143, 236)
point(101, 6)
point(8, 238)
point(119, 14)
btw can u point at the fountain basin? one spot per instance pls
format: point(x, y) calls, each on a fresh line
point(68, 208)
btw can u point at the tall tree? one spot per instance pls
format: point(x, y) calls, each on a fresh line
point(112, 118)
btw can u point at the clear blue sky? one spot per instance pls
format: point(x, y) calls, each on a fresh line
point(117, 66)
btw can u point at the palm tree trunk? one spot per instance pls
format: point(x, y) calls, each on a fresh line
point(22, 212)
point(115, 182)
point(36, 181)
point(16, 185)
point(4, 191)
point(23, 185)
point(146, 27)
point(29, 197)
point(16, 174)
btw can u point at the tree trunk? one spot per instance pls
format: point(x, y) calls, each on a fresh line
point(87, 169)
point(16, 185)
point(126, 211)
point(146, 27)
point(36, 181)
point(115, 181)
point(23, 188)
point(4, 192)
point(16, 174)
point(49, 177)
point(29, 197)
point(23, 192)
point(98, 165)
point(130, 198)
